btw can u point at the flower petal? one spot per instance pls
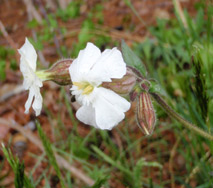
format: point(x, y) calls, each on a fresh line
point(109, 109)
point(29, 100)
point(83, 63)
point(86, 114)
point(109, 65)
point(115, 99)
point(37, 103)
point(28, 55)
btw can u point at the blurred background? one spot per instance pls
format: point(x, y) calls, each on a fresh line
point(165, 35)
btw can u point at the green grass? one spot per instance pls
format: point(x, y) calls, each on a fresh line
point(185, 85)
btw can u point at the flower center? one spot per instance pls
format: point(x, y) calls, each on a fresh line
point(86, 87)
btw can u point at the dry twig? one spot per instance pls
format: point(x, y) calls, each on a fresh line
point(7, 36)
point(9, 39)
point(172, 154)
point(18, 89)
point(117, 35)
point(31, 10)
point(63, 3)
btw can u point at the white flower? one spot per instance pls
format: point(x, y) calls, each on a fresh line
point(101, 107)
point(31, 81)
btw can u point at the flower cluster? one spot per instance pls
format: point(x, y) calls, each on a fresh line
point(90, 74)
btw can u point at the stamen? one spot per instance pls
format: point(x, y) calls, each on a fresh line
point(85, 86)
point(88, 90)
point(80, 85)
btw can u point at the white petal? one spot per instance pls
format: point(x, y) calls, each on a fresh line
point(86, 114)
point(83, 63)
point(106, 115)
point(37, 81)
point(109, 109)
point(37, 103)
point(115, 99)
point(29, 100)
point(28, 55)
point(34, 92)
point(28, 81)
point(109, 65)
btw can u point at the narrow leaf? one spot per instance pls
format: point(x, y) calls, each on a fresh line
point(100, 182)
point(49, 153)
point(21, 180)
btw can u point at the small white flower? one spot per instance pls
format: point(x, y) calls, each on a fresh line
point(31, 81)
point(101, 107)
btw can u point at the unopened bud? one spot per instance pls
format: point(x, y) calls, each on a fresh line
point(145, 113)
point(123, 85)
point(59, 72)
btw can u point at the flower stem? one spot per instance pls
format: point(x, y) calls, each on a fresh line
point(176, 116)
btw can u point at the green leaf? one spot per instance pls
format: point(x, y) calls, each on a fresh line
point(100, 182)
point(19, 175)
point(21, 180)
point(132, 59)
point(138, 169)
point(49, 153)
point(32, 24)
point(155, 87)
point(111, 161)
point(2, 70)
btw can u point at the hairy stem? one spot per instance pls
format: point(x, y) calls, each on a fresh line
point(176, 116)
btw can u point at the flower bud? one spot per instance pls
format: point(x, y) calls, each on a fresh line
point(123, 85)
point(145, 113)
point(59, 72)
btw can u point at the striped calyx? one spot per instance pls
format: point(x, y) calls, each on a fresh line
point(123, 85)
point(145, 113)
point(59, 72)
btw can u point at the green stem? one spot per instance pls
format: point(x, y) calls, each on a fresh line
point(176, 116)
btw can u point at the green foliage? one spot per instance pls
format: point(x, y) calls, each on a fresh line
point(38, 45)
point(138, 170)
point(100, 182)
point(132, 60)
point(21, 180)
point(200, 84)
point(19, 175)
point(32, 24)
point(71, 11)
point(5, 53)
point(2, 69)
point(50, 154)
point(88, 30)
point(111, 161)
point(186, 80)
point(13, 64)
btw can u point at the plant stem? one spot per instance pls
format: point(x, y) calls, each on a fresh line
point(176, 116)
